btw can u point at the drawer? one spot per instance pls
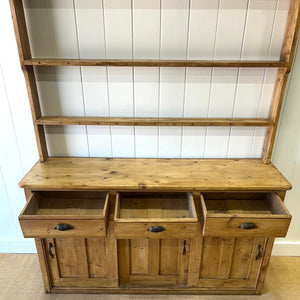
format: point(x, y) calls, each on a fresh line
point(155, 215)
point(244, 214)
point(65, 214)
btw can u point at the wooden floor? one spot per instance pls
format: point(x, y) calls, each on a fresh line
point(20, 279)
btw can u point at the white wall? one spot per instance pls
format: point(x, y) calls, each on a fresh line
point(286, 157)
point(143, 91)
point(18, 149)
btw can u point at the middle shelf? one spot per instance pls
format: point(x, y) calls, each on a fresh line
point(127, 121)
point(156, 63)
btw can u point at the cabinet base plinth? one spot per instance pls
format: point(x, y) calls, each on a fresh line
point(171, 291)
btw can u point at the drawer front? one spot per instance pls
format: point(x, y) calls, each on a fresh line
point(236, 227)
point(155, 230)
point(154, 215)
point(47, 228)
point(65, 214)
point(245, 214)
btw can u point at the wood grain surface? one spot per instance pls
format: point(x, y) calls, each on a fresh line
point(154, 174)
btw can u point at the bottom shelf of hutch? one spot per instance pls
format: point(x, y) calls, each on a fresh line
point(154, 226)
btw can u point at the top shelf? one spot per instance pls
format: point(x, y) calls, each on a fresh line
point(155, 63)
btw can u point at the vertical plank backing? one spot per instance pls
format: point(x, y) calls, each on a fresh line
point(172, 80)
point(146, 141)
point(197, 83)
point(169, 143)
point(257, 41)
point(174, 37)
point(274, 114)
point(146, 45)
point(221, 103)
point(118, 38)
point(231, 20)
point(202, 27)
point(89, 18)
point(247, 103)
point(146, 29)
point(146, 94)
point(20, 28)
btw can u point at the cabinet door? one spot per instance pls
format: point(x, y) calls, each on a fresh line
point(80, 262)
point(153, 261)
point(231, 262)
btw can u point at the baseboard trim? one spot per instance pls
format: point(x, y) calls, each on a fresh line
point(286, 249)
point(17, 246)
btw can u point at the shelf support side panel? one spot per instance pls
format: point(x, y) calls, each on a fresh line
point(291, 34)
point(20, 28)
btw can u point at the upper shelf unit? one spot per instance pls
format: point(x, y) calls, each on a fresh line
point(158, 33)
point(165, 33)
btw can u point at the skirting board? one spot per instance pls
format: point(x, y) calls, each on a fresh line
point(17, 246)
point(286, 249)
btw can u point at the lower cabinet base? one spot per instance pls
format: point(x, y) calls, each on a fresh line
point(256, 268)
point(155, 290)
point(131, 264)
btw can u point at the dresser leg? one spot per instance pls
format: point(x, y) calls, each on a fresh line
point(43, 265)
point(265, 264)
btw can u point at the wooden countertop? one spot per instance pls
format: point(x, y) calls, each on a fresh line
point(154, 174)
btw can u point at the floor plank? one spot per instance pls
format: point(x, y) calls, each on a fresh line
point(20, 278)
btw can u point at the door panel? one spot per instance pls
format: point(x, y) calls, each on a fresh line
point(139, 251)
point(168, 257)
point(96, 257)
point(227, 262)
point(153, 261)
point(241, 258)
point(80, 262)
point(211, 253)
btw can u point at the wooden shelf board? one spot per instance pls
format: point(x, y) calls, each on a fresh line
point(154, 63)
point(110, 174)
point(122, 121)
